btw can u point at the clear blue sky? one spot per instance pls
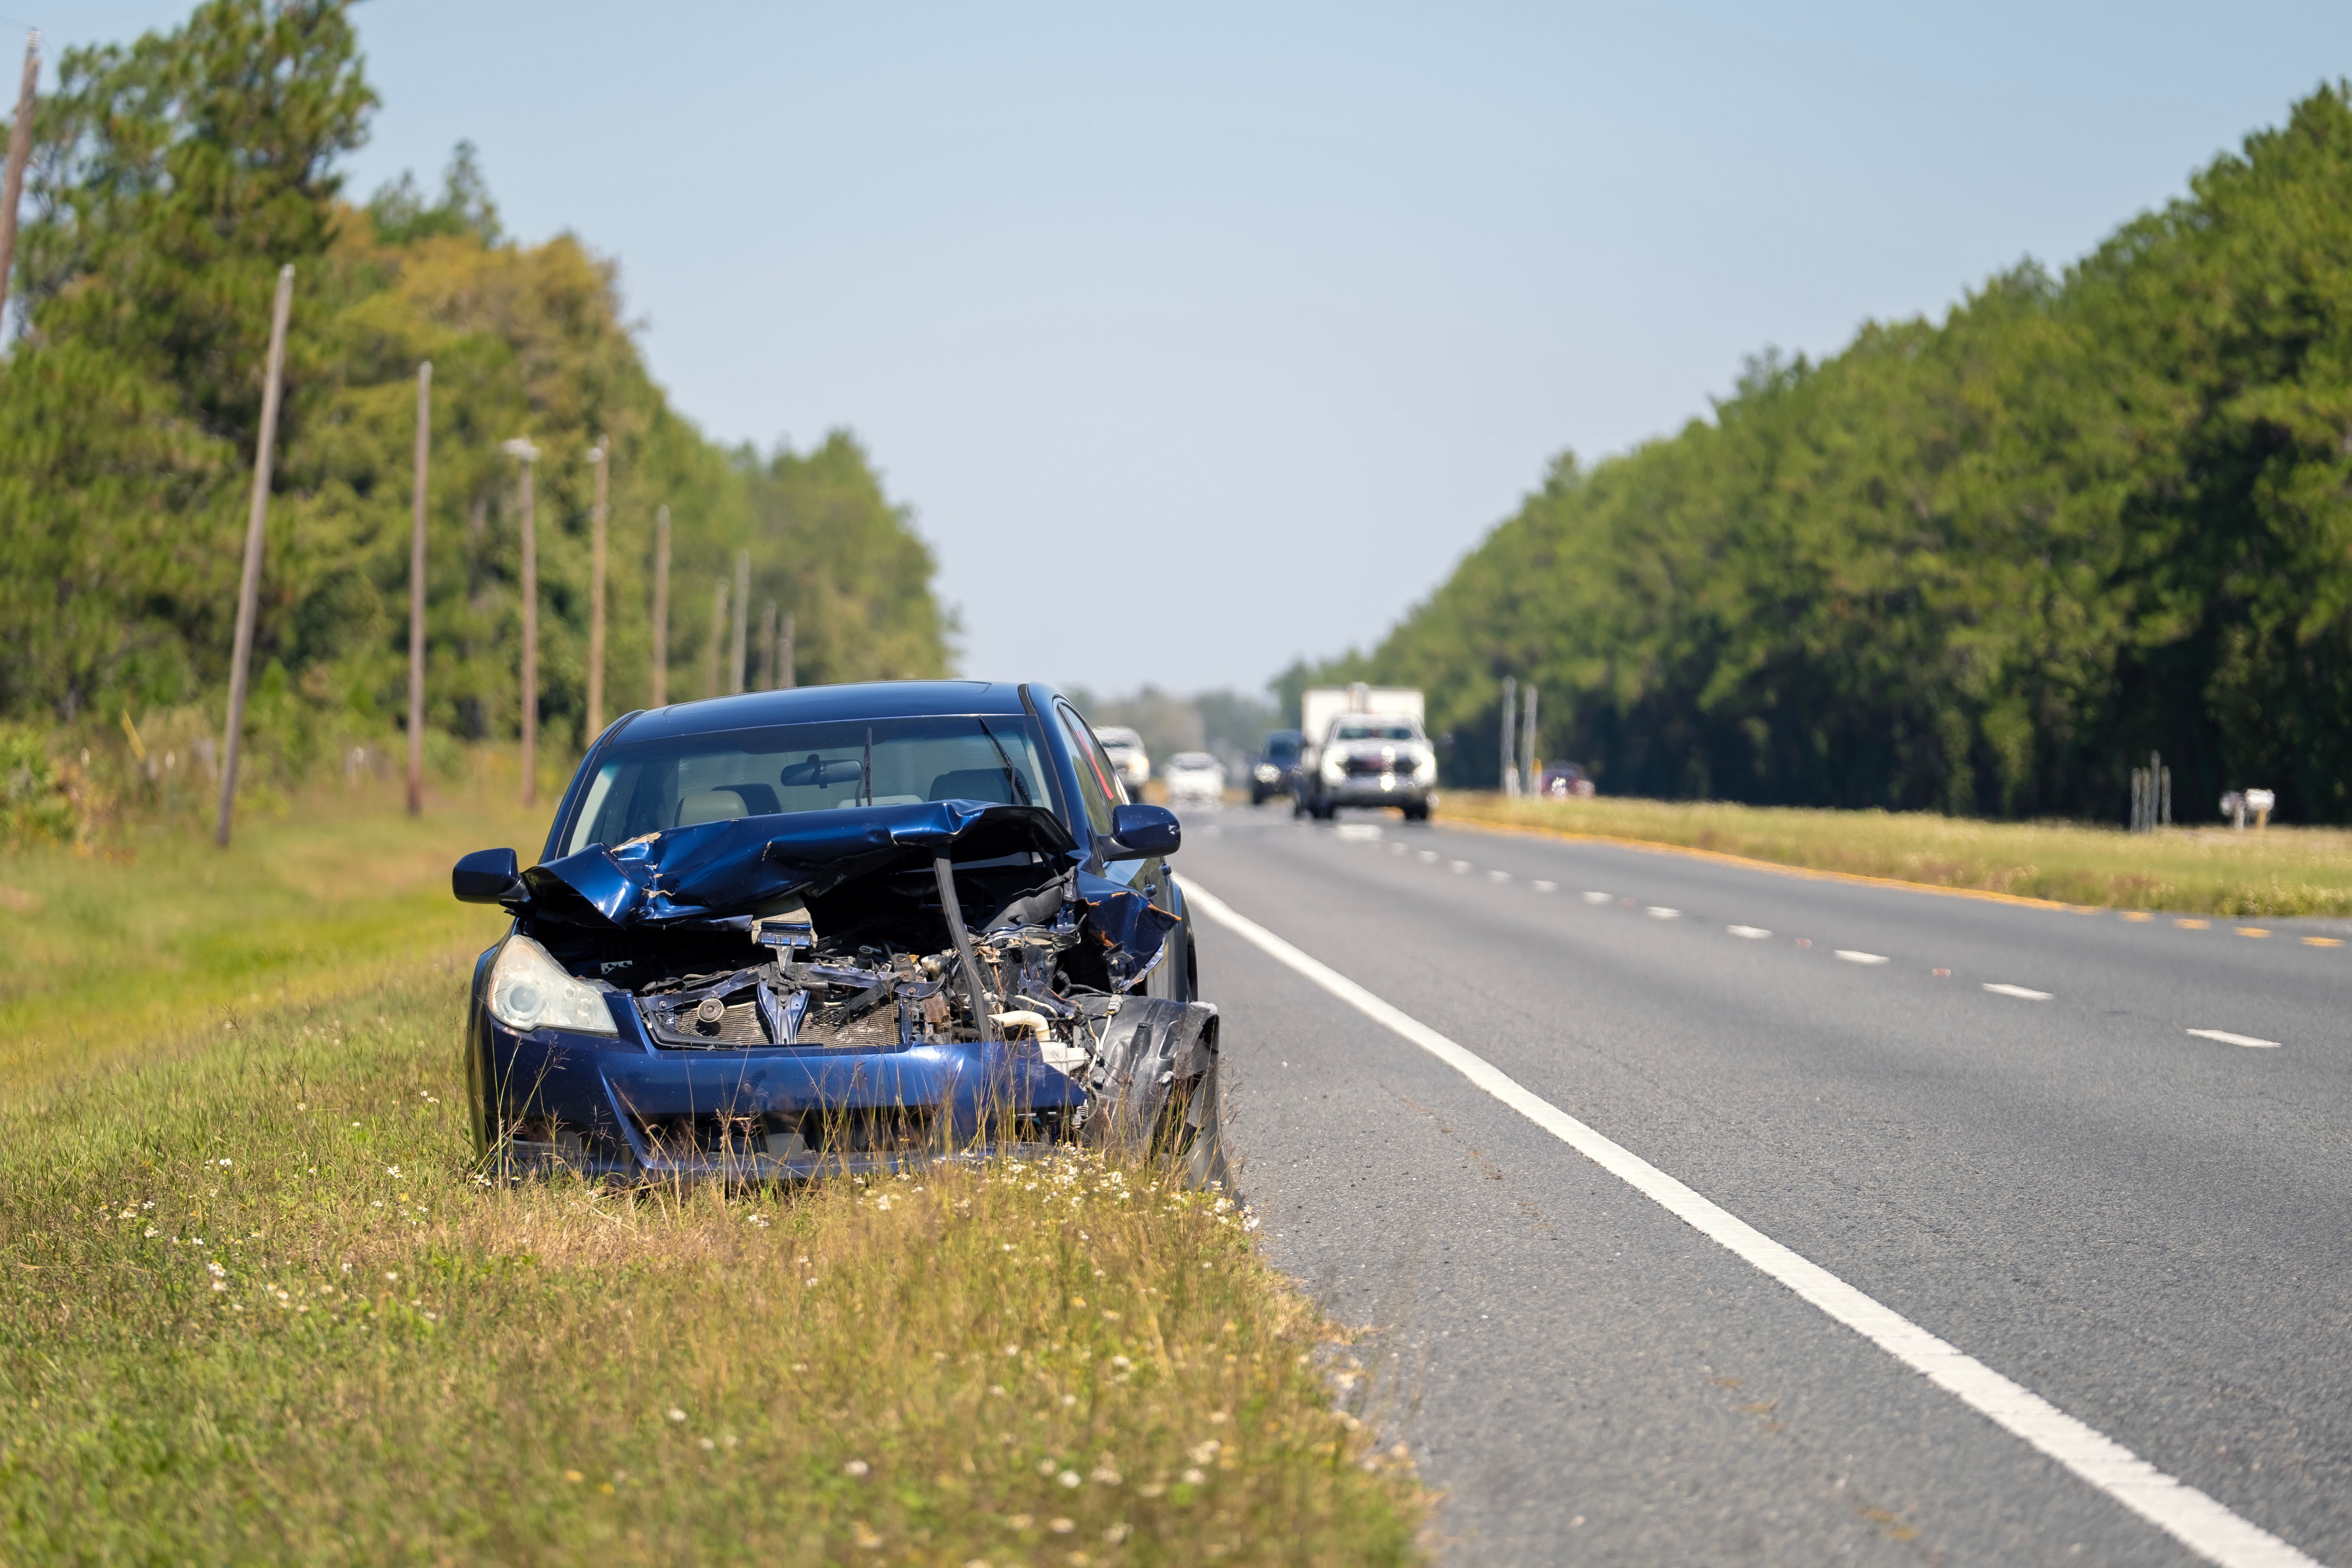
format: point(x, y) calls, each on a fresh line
point(1218, 332)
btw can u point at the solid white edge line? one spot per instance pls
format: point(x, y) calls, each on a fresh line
point(2228, 1039)
point(2022, 993)
point(1851, 956)
point(2181, 1512)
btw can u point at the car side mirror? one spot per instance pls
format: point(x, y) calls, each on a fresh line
point(1139, 832)
point(487, 877)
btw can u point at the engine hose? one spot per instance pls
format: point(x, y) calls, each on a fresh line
point(954, 911)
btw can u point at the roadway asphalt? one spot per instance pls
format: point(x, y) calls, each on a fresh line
point(2145, 1227)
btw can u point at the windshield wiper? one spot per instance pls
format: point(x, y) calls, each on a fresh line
point(1013, 780)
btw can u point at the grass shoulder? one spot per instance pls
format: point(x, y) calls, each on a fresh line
point(261, 1307)
point(2281, 871)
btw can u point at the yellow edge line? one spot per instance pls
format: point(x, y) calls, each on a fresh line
point(1812, 873)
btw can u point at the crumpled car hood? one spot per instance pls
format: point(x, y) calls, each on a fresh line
point(717, 869)
point(724, 872)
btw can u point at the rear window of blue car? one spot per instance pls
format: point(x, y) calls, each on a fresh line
point(661, 784)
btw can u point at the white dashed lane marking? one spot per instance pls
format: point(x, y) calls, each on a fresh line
point(1851, 956)
point(1545, 887)
point(2191, 1517)
point(1427, 856)
point(2020, 992)
point(1660, 912)
point(2228, 1039)
point(1753, 933)
point(1499, 875)
point(1592, 898)
point(1459, 866)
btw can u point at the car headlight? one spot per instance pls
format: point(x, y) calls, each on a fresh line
point(528, 991)
point(1425, 770)
point(1335, 767)
point(1268, 773)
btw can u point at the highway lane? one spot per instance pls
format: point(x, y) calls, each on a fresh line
point(2145, 1227)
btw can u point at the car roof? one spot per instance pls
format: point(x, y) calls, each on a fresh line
point(1117, 735)
point(1191, 760)
point(820, 705)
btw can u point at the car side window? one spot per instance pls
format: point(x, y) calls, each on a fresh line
point(1096, 787)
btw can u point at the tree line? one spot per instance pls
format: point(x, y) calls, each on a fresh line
point(1983, 567)
point(172, 178)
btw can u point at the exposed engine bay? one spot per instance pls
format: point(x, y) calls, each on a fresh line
point(928, 935)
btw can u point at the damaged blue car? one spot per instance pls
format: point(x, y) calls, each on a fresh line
point(838, 928)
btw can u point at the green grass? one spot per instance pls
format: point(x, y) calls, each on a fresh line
point(155, 931)
point(261, 1307)
point(2204, 870)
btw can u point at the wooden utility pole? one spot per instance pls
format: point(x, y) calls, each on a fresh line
point(742, 618)
point(767, 648)
point(1511, 746)
point(248, 585)
point(416, 594)
point(600, 455)
point(521, 448)
point(717, 639)
point(661, 609)
point(20, 148)
point(1528, 780)
point(784, 675)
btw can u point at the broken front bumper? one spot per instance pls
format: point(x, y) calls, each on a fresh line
point(616, 1107)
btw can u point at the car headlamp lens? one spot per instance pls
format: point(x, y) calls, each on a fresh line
point(528, 991)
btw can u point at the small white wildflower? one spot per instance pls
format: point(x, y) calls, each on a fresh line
point(856, 1468)
point(214, 1270)
point(153, 1231)
point(393, 1275)
point(1068, 1400)
point(1045, 1467)
point(1192, 1478)
point(676, 1413)
point(708, 1443)
point(1105, 1475)
point(1069, 1478)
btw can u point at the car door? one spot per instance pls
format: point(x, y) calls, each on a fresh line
point(1099, 790)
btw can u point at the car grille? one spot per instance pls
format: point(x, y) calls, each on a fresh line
point(859, 1130)
point(1373, 767)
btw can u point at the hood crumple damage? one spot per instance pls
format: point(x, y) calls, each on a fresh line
point(827, 990)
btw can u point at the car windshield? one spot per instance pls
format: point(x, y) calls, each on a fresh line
point(1373, 729)
point(1282, 749)
point(661, 784)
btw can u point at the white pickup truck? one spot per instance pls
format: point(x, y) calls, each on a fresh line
point(1363, 746)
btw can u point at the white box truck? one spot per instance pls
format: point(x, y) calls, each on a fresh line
point(1364, 745)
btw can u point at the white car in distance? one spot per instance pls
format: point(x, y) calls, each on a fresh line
point(1125, 749)
point(1194, 778)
